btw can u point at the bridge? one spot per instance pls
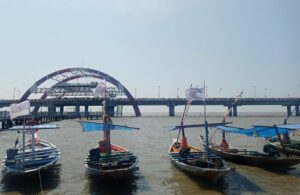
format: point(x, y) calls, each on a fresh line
point(64, 93)
point(171, 103)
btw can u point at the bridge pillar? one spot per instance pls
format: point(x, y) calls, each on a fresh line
point(171, 110)
point(234, 110)
point(110, 111)
point(61, 111)
point(297, 110)
point(86, 110)
point(230, 112)
point(77, 110)
point(51, 114)
point(51, 110)
point(289, 112)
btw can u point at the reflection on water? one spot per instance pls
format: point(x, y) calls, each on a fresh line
point(31, 184)
point(233, 183)
point(236, 183)
point(98, 185)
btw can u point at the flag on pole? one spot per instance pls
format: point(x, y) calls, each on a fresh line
point(195, 93)
point(19, 109)
point(100, 90)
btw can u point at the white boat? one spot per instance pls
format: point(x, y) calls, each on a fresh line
point(32, 155)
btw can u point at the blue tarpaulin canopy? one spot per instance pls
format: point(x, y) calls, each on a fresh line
point(92, 126)
point(171, 128)
point(260, 131)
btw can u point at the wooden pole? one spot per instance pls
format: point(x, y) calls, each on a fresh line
point(279, 138)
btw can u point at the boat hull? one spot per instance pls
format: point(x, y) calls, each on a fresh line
point(44, 157)
point(212, 174)
point(121, 163)
point(287, 149)
point(256, 158)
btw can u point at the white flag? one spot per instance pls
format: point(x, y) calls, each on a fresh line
point(19, 109)
point(100, 90)
point(194, 93)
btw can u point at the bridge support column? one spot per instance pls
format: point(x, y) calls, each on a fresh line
point(234, 110)
point(61, 111)
point(86, 110)
point(77, 110)
point(51, 113)
point(171, 110)
point(289, 112)
point(230, 112)
point(110, 111)
point(297, 110)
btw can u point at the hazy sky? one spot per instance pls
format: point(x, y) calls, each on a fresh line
point(232, 45)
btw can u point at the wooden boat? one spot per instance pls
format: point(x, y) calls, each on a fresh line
point(292, 148)
point(285, 144)
point(196, 162)
point(271, 158)
point(31, 156)
point(109, 160)
point(191, 159)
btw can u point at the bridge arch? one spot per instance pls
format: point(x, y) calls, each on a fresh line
point(68, 74)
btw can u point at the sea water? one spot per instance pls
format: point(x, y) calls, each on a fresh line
point(156, 174)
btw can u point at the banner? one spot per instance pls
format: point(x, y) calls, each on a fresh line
point(194, 93)
point(19, 109)
point(100, 90)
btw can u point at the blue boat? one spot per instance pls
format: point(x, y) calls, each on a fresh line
point(30, 156)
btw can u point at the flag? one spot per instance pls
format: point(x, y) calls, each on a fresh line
point(19, 109)
point(195, 93)
point(100, 90)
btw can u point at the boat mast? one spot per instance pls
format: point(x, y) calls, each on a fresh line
point(279, 138)
point(106, 121)
point(23, 143)
point(181, 123)
point(236, 99)
point(32, 141)
point(206, 126)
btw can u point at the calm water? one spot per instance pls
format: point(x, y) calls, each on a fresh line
point(156, 175)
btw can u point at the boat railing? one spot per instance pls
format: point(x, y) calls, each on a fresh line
point(111, 158)
point(241, 151)
point(200, 155)
point(30, 156)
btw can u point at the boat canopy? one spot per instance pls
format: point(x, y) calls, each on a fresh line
point(92, 126)
point(172, 128)
point(290, 127)
point(34, 127)
point(260, 131)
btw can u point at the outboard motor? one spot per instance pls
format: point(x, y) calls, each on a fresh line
point(271, 150)
point(94, 154)
point(11, 153)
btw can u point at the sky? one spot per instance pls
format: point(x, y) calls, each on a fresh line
point(155, 47)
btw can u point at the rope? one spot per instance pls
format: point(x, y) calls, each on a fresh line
point(228, 111)
point(40, 180)
point(135, 140)
point(285, 119)
point(184, 114)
